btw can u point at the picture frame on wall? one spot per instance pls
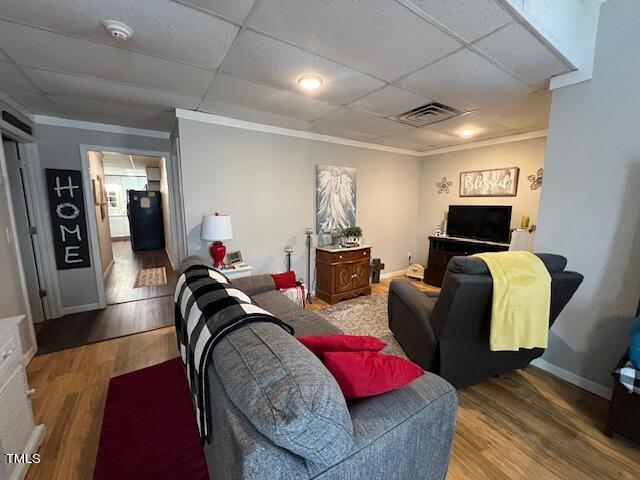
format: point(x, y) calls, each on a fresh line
point(499, 182)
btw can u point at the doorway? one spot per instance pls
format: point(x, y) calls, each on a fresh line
point(22, 202)
point(133, 223)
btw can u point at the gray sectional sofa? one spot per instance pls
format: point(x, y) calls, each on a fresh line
point(277, 413)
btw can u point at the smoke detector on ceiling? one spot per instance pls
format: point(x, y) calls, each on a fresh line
point(118, 29)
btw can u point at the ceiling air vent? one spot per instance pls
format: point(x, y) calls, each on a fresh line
point(428, 114)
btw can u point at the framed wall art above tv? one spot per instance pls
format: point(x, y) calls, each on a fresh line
point(500, 182)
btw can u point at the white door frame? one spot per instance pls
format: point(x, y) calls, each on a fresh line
point(91, 211)
point(19, 136)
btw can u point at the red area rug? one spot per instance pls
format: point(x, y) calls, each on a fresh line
point(149, 429)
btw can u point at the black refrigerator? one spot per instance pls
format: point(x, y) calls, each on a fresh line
point(145, 220)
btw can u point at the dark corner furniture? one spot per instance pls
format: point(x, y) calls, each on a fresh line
point(443, 249)
point(448, 333)
point(342, 273)
point(624, 410)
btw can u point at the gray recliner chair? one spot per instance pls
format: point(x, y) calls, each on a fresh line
point(448, 333)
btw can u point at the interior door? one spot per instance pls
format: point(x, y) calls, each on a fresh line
point(25, 226)
point(361, 274)
point(344, 279)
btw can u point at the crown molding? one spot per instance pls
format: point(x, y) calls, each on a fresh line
point(260, 127)
point(16, 105)
point(486, 143)
point(98, 127)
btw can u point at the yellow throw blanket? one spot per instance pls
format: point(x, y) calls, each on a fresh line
point(521, 300)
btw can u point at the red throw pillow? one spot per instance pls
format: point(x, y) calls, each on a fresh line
point(341, 343)
point(284, 279)
point(364, 374)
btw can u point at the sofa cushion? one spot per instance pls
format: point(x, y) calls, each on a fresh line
point(320, 344)
point(285, 392)
point(366, 374)
point(275, 302)
point(475, 266)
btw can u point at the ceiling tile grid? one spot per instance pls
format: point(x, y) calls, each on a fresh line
point(469, 19)
point(271, 61)
point(228, 89)
point(379, 37)
point(518, 50)
point(161, 28)
point(243, 58)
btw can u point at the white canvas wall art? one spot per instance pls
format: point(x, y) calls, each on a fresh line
point(335, 199)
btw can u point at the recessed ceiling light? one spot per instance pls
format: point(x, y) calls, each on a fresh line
point(310, 82)
point(468, 132)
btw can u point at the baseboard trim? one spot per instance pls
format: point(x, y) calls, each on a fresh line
point(572, 378)
point(108, 270)
point(393, 274)
point(81, 308)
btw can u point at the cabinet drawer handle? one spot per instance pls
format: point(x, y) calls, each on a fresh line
point(30, 392)
point(340, 257)
point(7, 353)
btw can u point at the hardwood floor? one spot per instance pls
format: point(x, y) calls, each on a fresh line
point(130, 310)
point(114, 321)
point(119, 284)
point(524, 425)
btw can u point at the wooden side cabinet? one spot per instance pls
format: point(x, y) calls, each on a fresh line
point(342, 273)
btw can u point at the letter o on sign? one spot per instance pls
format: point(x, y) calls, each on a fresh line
point(75, 211)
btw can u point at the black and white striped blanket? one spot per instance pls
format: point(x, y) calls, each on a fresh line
point(207, 308)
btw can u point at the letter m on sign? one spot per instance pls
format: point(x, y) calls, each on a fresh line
point(68, 218)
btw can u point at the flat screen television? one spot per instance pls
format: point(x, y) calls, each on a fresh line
point(481, 222)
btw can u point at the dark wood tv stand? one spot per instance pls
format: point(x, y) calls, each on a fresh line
point(442, 249)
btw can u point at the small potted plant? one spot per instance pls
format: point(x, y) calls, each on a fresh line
point(351, 236)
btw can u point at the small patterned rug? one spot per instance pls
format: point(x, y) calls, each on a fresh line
point(364, 316)
point(151, 277)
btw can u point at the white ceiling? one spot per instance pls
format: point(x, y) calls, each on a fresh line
point(119, 164)
point(242, 58)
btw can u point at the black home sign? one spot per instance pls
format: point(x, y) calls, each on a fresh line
point(68, 219)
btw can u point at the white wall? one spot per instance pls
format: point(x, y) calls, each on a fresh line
point(60, 148)
point(590, 206)
point(528, 155)
point(266, 182)
point(104, 231)
point(166, 209)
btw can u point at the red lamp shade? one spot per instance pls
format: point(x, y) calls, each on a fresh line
point(217, 228)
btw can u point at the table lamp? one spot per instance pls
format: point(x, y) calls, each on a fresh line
point(216, 228)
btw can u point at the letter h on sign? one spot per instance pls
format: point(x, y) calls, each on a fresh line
point(68, 219)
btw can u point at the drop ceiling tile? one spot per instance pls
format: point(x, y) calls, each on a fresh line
point(10, 77)
point(521, 52)
point(234, 9)
point(161, 28)
point(484, 128)
point(389, 101)
point(529, 112)
point(251, 115)
point(32, 101)
point(466, 81)
point(34, 47)
point(230, 89)
point(104, 112)
point(427, 138)
point(270, 61)
point(329, 128)
point(470, 19)
point(358, 121)
point(72, 86)
point(399, 143)
point(379, 37)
